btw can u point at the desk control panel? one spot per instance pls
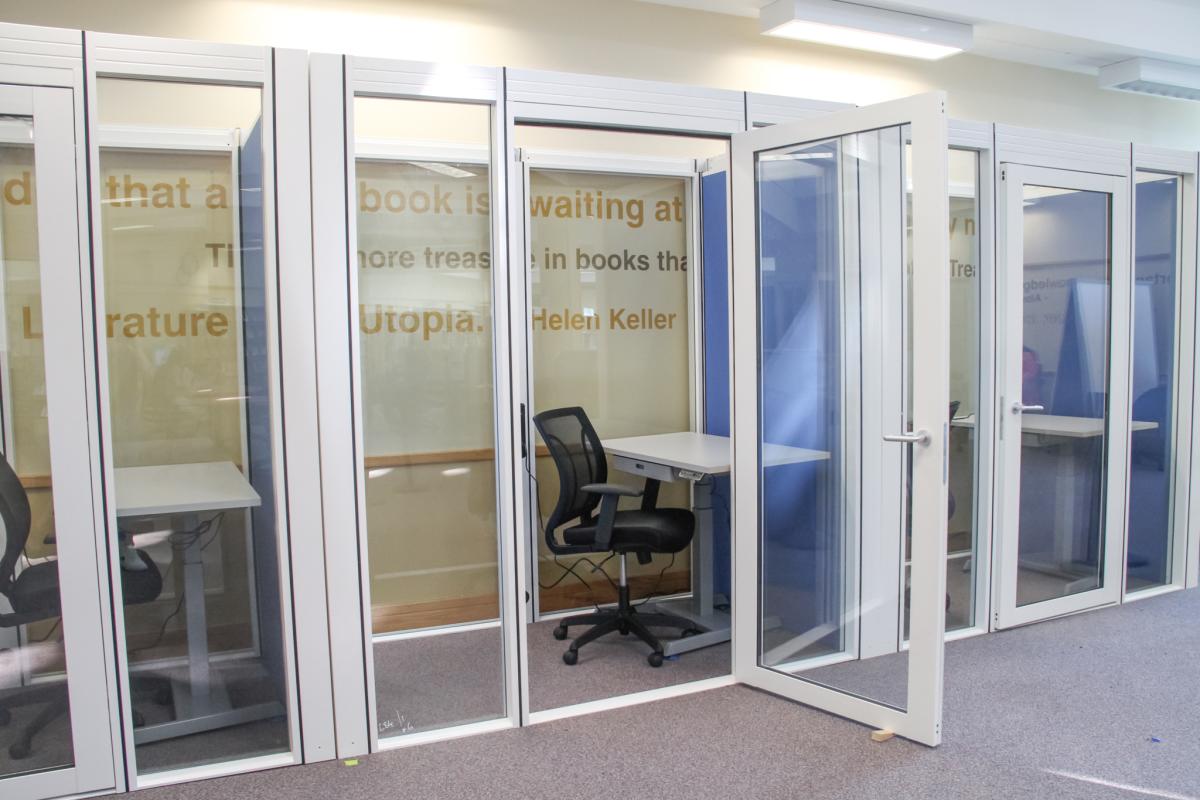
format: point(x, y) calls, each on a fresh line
point(651, 469)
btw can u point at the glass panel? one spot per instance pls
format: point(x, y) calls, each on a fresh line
point(1067, 252)
point(611, 327)
point(823, 221)
point(964, 389)
point(1157, 230)
point(612, 331)
point(189, 379)
point(426, 364)
point(33, 680)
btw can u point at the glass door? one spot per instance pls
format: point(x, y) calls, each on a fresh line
point(1063, 441)
point(55, 735)
point(841, 412)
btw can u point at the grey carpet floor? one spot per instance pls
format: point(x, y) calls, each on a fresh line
point(451, 678)
point(246, 682)
point(1065, 709)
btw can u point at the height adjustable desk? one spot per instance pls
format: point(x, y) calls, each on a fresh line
point(182, 492)
point(1062, 434)
point(695, 457)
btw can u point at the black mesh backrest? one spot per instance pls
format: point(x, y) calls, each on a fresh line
point(578, 457)
point(14, 513)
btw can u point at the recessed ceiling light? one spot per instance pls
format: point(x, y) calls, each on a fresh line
point(1150, 76)
point(860, 27)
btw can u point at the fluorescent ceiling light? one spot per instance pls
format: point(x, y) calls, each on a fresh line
point(443, 169)
point(840, 24)
point(1149, 76)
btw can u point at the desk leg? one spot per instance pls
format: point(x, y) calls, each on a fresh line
point(197, 618)
point(702, 548)
point(714, 625)
point(199, 704)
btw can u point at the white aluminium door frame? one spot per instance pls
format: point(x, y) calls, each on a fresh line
point(336, 80)
point(978, 137)
point(926, 114)
point(87, 647)
point(1013, 178)
point(1185, 538)
point(52, 57)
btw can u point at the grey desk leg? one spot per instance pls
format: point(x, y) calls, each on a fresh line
point(197, 618)
point(702, 548)
point(199, 704)
point(714, 625)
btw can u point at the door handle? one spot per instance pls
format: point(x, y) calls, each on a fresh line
point(1020, 408)
point(524, 435)
point(913, 437)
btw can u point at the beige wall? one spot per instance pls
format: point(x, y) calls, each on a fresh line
point(638, 40)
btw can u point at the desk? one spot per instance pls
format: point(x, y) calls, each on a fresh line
point(1055, 425)
point(181, 491)
point(1062, 432)
point(695, 457)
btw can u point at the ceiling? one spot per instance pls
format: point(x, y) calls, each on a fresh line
point(1075, 35)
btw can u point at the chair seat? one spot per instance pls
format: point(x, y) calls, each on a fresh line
point(664, 530)
point(36, 589)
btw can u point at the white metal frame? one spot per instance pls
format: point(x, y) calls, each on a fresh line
point(1013, 178)
point(54, 111)
point(772, 109)
point(926, 113)
point(600, 102)
point(978, 137)
point(336, 81)
point(1192, 567)
point(1183, 165)
point(301, 624)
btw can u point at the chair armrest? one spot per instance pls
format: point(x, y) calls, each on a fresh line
point(612, 489)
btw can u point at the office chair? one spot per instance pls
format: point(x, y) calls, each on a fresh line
point(33, 595)
point(582, 475)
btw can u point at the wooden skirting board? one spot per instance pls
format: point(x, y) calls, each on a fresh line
point(568, 594)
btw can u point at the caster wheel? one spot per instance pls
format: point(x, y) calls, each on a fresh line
point(163, 696)
point(623, 628)
point(5, 717)
point(19, 750)
point(139, 719)
point(560, 632)
point(570, 657)
point(655, 659)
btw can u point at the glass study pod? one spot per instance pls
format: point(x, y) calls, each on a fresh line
point(1094, 404)
point(188, 372)
point(55, 727)
point(618, 236)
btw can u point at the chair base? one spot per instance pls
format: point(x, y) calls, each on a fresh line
point(626, 620)
point(54, 701)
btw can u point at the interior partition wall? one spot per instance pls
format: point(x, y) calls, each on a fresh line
point(192, 341)
point(416, 427)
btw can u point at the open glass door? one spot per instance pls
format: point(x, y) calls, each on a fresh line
point(1065, 307)
point(54, 705)
point(840, 412)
